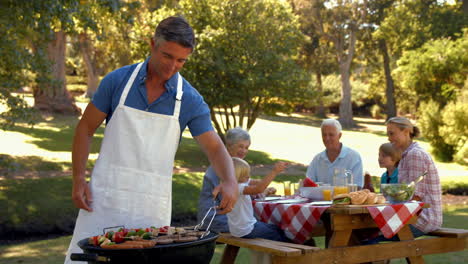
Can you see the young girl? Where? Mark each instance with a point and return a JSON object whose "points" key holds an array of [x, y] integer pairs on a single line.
{"points": [[389, 157], [241, 220]]}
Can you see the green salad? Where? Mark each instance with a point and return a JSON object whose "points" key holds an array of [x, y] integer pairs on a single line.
{"points": [[397, 193]]}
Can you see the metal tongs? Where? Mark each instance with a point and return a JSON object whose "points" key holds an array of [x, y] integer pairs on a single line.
{"points": [[413, 183], [202, 222]]}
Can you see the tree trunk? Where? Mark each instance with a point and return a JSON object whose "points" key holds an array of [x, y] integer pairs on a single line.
{"points": [[389, 88], [321, 109], [53, 96], [346, 109], [344, 60], [87, 50]]}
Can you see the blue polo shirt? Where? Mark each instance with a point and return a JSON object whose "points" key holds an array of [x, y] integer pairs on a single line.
{"points": [[194, 112], [321, 169], [390, 179]]}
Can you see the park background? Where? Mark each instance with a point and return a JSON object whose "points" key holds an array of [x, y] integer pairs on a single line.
{"points": [[276, 68]]}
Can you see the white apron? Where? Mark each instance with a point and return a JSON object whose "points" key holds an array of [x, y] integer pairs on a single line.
{"points": [[131, 181]]}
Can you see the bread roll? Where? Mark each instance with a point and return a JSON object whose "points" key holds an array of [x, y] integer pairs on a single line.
{"points": [[358, 197], [381, 199], [371, 198]]}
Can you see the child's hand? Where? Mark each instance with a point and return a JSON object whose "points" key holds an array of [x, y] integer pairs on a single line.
{"points": [[280, 166], [269, 191]]}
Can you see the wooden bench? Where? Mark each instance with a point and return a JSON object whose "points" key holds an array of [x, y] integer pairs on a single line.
{"points": [[444, 240], [450, 232], [274, 248]]}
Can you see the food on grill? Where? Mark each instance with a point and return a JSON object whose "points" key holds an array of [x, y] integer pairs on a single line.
{"points": [[144, 237], [124, 245], [185, 239]]}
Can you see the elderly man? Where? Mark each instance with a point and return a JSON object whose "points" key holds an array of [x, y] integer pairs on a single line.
{"points": [[335, 156]]}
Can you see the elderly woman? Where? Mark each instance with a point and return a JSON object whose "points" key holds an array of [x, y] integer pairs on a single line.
{"points": [[414, 162], [237, 144]]}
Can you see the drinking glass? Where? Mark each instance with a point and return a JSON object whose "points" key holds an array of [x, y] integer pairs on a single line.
{"points": [[327, 194], [287, 188]]}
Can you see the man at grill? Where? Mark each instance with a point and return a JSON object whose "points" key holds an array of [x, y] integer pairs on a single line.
{"points": [[146, 107]]}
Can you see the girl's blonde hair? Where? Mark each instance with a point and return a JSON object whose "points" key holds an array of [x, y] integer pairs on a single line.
{"points": [[389, 150], [241, 167]]}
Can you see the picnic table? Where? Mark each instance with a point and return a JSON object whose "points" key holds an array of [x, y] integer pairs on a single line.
{"points": [[300, 221]]}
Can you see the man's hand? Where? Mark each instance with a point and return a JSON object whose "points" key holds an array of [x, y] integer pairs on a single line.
{"points": [[230, 193], [81, 195]]}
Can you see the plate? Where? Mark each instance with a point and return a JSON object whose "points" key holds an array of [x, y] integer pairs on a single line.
{"points": [[267, 199], [291, 201], [321, 203]]}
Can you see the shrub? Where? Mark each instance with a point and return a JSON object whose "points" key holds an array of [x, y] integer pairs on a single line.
{"points": [[430, 120], [454, 129]]}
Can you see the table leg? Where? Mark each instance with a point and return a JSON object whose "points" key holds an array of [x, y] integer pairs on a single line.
{"points": [[229, 254], [340, 238], [406, 234]]}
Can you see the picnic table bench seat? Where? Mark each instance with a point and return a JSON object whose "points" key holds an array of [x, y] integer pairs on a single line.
{"points": [[274, 248], [443, 240], [450, 232]]}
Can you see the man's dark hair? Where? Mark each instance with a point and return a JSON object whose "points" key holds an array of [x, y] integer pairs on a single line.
{"points": [[175, 29]]}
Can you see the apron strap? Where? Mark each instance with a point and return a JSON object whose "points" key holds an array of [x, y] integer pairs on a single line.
{"points": [[129, 84], [178, 97]]}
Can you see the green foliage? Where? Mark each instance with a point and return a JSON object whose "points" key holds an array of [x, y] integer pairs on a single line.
{"points": [[447, 128], [245, 58], [454, 131], [436, 71], [454, 188], [430, 120]]}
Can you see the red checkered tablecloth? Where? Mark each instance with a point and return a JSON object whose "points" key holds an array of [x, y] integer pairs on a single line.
{"points": [[297, 220], [391, 218]]}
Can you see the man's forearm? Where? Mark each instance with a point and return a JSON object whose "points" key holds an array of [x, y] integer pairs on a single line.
{"points": [[80, 152], [222, 164]]}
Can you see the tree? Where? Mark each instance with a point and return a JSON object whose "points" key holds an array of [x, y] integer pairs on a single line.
{"points": [[102, 32], [409, 24], [437, 71], [245, 63], [317, 53], [378, 64], [339, 22]]}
